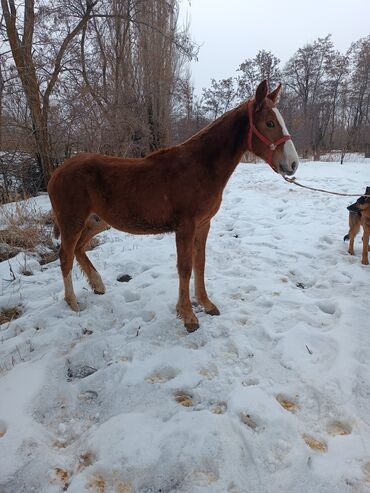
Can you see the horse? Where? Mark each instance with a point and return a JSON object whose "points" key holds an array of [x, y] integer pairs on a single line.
{"points": [[173, 190]]}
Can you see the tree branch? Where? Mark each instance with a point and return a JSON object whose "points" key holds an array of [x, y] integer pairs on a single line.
{"points": [[58, 61]]}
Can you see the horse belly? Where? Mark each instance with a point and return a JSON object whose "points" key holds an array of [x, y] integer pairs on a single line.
{"points": [[142, 226]]}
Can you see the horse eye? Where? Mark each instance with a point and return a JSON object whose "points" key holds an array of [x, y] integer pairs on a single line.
{"points": [[270, 124]]}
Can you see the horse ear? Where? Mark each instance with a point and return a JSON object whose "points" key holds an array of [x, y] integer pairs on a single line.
{"points": [[261, 93], [275, 95]]}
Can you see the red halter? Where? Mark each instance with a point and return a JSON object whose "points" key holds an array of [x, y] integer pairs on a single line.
{"points": [[271, 144]]}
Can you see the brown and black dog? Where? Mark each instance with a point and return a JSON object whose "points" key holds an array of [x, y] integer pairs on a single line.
{"points": [[359, 215]]}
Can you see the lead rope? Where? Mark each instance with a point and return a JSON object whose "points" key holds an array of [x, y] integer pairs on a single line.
{"points": [[295, 182]]}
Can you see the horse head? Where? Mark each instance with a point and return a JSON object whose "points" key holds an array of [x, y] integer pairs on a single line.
{"points": [[268, 136]]}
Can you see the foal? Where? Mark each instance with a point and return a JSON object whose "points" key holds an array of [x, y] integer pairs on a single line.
{"points": [[178, 190]]}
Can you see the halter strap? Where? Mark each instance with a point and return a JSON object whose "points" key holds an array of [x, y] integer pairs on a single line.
{"points": [[272, 145]]}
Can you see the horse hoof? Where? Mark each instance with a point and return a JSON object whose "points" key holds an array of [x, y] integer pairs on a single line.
{"points": [[213, 311], [99, 291], [74, 306], [191, 326]]}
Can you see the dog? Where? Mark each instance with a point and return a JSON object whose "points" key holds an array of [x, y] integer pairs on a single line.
{"points": [[359, 215]]}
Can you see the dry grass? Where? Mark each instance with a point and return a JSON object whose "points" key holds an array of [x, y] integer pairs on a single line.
{"points": [[9, 314], [25, 226]]}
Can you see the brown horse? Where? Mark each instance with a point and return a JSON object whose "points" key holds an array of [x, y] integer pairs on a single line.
{"points": [[178, 189]]}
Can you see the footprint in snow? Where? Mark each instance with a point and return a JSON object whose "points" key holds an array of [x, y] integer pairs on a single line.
{"points": [[219, 408], [250, 382], [315, 444], [124, 278], [326, 239], [61, 477], [148, 316], [210, 373], [79, 371], [184, 398], [131, 296], [362, 356], [100, 484], [250, 421], [162, 375], [327, 307], [337, 427], [287, 403], [85, 459], [187, 400]]}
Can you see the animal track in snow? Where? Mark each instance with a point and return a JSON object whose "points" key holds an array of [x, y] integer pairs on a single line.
{"points": [[85, 459], [184, 399], [219, 408], [62, 477], [101, 484], [209, 373], [314, 444], [163, 375], [336, 427], [148, 316], [250, 382], [250, 421], [131, 296], [326, 239], [327, 307], [287, 403]]}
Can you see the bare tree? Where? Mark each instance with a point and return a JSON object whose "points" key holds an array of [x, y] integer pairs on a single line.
{"points": [[38, 84], [263, 66], [219, 97], [132, 61]]}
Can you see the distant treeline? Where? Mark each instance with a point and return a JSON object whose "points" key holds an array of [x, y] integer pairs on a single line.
{"points": [[326, 98], [112, 76]]}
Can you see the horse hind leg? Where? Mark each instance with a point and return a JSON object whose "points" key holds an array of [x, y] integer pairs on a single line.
{"points": [[93, 226], [66, 255]]}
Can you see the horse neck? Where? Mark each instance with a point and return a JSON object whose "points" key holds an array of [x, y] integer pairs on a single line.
{"points": [[221, 145]]}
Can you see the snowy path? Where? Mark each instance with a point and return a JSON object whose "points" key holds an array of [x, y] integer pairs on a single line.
{"points": [[272, 396]]}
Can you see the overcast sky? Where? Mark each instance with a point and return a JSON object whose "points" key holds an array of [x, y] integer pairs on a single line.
{"points": [[229, 31]]}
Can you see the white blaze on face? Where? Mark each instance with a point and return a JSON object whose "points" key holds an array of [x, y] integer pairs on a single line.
{"points": [[290, 153]]}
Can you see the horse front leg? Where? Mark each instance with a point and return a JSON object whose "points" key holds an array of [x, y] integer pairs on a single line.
{"points": [[184, 245], [199, 260]]}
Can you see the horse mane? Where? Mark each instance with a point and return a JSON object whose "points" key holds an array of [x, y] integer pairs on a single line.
{"points": [[216, 123], [205, 131]]}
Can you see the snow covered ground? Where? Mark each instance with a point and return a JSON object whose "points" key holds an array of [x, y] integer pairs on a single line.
{"points": [[272, 396]]}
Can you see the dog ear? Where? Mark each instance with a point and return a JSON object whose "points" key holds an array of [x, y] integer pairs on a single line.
{"points": [[367, 191]]}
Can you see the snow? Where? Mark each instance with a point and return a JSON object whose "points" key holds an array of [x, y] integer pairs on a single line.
{"points": [[120, 399]]}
